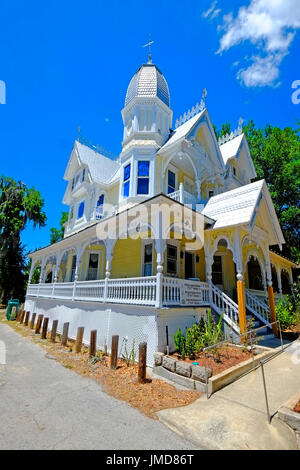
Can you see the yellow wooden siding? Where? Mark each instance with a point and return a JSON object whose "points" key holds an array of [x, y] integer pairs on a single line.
{"points": [[126, 260]]}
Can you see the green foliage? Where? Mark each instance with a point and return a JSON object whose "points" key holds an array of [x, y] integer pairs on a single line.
{"points": [[276, 157], [18, 206], [285, 313], [200, 335], [58, 234]]}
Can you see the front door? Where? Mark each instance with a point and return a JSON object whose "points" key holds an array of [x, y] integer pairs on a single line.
{"points": [[189, 266]]}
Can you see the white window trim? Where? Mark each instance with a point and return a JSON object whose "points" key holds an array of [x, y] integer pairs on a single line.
{"points": [[100, 263], [144, 243]]}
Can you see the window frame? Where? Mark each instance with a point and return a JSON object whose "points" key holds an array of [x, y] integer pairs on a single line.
{"points": [[176, 246], [126, 181], [143, 264], [78, 207], [143, 177]]}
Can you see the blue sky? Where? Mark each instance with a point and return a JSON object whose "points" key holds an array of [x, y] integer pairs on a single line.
{"points": [[67, 64]]}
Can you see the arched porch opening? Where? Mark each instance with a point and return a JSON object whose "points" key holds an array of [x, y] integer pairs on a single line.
{"points": [[36, 272], [255, 274], [224, 269], [275, 279], [285, 282], [92, 261], [178, 170]]}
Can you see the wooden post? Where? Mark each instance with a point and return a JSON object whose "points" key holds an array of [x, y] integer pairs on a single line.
{"points": [[114, 352], [19, 314], [79, 338], [32, 321], [272, 310], [39, 324], [53, 331], [27, 318], [93, 341], [45, 328], [242, 306], [64, 338], [22, 317], [142, 363]]}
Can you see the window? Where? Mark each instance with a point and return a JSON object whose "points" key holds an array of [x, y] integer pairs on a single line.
{"points": [[126, 184], [210, 194], [171, 182], [143, 178], [92, 273], [80, 210], [234, 171], [83, 175], [73, 183], [99, 208], [172, 260], [217, 272], [148, 258], [73, 269]]}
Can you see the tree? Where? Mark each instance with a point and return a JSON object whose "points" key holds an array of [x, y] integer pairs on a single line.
{"points": [[276, 156], [58, 234], [18, 206]]}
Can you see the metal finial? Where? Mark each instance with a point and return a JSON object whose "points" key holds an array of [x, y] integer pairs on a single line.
{"points": [[149, 45], [204, 94]]}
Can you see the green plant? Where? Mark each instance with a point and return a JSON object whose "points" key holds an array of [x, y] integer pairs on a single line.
{"points": [[285, 312], [129, 356], [180, 343]]}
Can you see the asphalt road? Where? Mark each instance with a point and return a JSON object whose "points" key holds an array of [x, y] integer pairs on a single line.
{"points": [[46, 406]]}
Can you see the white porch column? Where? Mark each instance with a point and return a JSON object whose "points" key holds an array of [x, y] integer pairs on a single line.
{"points": [[181, 193], [198, 183], [109, 255], [31, 271], [56, 271], [78, 261], [160, 248]]}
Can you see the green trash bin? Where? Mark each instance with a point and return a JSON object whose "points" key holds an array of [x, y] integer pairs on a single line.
{"points": [[10, 304]]}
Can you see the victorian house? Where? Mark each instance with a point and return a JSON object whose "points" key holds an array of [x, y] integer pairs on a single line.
{"points": [[122, 272]]}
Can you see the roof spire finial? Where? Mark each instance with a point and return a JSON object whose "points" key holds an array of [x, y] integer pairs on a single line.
{"points": [[149, 45]]}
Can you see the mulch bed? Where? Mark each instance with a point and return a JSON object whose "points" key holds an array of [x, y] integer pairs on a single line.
{"points": [[122, 383], [227, 357], [297, 407]]}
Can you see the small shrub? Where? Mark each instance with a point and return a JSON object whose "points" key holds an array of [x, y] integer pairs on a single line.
{"points": [[180, 343], [285, 312]]}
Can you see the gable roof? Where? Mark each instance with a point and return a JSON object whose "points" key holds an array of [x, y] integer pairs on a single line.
{"points": [[231, 148], [240, 206], [101, 168], [182, 131]]}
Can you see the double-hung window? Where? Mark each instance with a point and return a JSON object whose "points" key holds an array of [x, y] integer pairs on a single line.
{"points": [[171, 182], [143, 177], [172, 260], [99, 208], [126, 183]]}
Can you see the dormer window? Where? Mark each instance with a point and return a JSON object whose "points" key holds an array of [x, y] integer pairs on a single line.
{"points": [[126, 183], [171, 182], [143, 177]]}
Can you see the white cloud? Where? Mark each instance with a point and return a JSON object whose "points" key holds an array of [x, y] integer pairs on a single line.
{"points": [[212, 12], [269, 25]]}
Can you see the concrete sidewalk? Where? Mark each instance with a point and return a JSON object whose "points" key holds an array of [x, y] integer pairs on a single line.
{"points": [[46, 406], [235, 417]]}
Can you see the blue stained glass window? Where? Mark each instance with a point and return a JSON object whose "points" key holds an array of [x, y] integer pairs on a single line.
{"points": [[126, 189], [143, 168], [126, 172], [100, 200], [80, 210], [143, 186]]}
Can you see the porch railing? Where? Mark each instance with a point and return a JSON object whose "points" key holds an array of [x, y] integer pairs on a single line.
{"points": [[258, 307], [135, 291], [182, 196]]}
